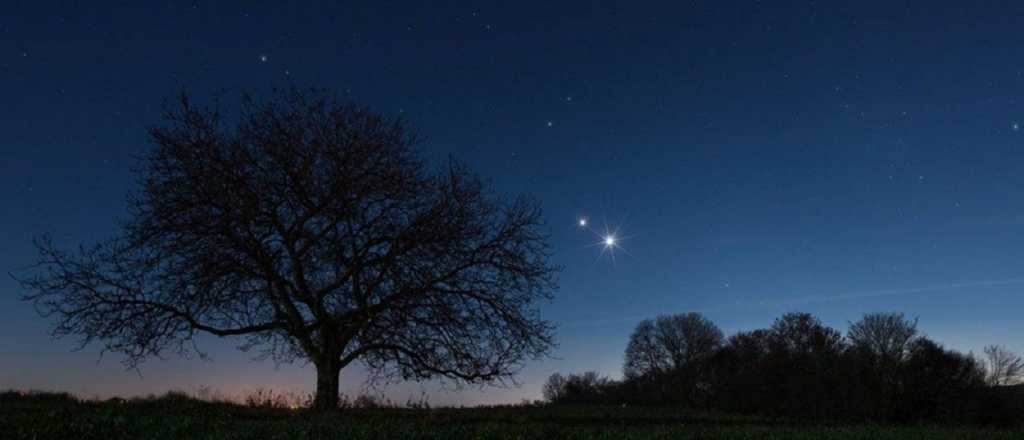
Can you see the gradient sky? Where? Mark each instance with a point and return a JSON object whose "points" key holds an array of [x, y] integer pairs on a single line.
{"points": [[762, 157]]}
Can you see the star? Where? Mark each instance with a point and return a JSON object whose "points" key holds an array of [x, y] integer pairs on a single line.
{"points": [[1015, 126], [609, 241], [264, 58], [551, 124]]}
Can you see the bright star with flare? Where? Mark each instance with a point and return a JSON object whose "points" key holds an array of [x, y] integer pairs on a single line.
{"points": [[609, 241]]}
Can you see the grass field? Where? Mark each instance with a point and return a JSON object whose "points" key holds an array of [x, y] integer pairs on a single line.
{"points": [[181, 418]]}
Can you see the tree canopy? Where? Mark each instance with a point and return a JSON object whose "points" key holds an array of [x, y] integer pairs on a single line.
{"points": [[312, 229]]}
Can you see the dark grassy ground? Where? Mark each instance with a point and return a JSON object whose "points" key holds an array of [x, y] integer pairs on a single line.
{"points": [[177, 417]]}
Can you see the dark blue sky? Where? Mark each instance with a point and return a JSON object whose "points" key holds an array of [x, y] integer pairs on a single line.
{"points": [[762, 157]]}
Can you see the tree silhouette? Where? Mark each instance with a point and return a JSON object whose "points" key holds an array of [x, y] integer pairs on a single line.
{"points": [[554, 388], [669, 343], [310, 228], [940, 384], [803, 356], [672, 351], [881, 344], [801, 368], [739, 369], [886, 336], [1003, 367], [588, 387]]}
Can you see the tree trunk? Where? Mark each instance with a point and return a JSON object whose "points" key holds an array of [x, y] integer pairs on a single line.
{"points": [[327, 371]]}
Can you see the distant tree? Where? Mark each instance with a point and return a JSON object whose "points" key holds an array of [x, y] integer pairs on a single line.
{"points": [[588, 387], [802, 365], [1003, 366], [670, 343], [312, 229], [940, 384], [886, 336], [738, 372], [881, 343], [554, 388], [803, 334], [672, 350], [645, 354]]}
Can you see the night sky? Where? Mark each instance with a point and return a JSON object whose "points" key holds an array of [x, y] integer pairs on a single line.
{"points": [[756, 158]]}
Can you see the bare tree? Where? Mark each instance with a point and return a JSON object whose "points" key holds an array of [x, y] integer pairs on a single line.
{"points": [[587, 387], [1003, 367], [882, 343], [801, 334], [644, 354], [311, 229], [676, 343], [554, 388], [887, 336]]}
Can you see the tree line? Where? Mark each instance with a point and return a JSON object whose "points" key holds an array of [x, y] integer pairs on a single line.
{"points": [[881, 370]]}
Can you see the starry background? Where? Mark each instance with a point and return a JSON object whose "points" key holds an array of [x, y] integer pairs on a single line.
{"points": [[830, 157]]}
